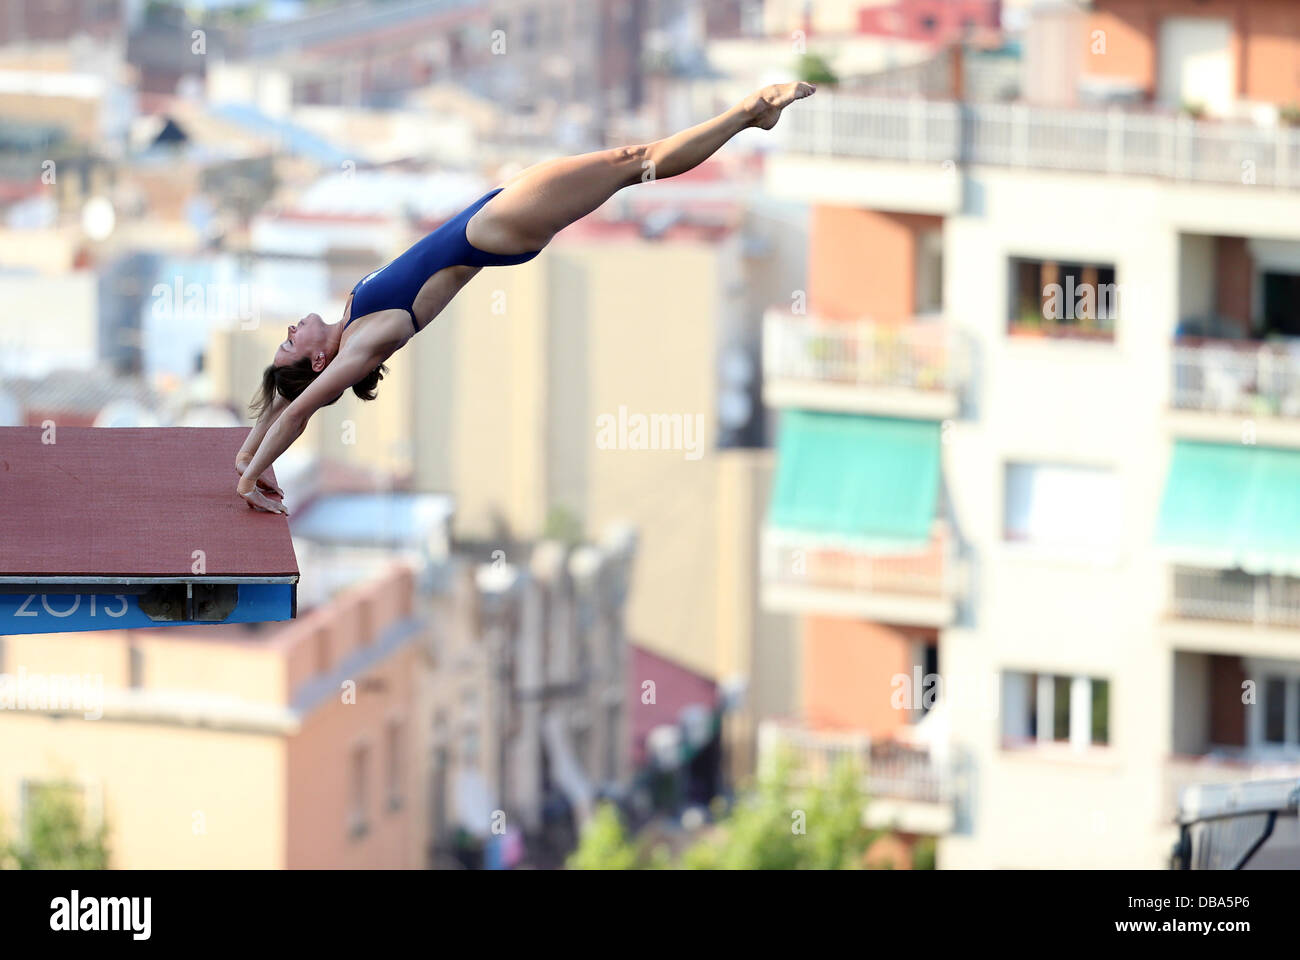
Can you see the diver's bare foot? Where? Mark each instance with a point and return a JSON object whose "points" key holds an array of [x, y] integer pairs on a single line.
{"points": [[764, 107]]}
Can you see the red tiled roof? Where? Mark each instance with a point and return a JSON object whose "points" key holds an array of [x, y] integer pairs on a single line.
{"points": [[132, 502]]}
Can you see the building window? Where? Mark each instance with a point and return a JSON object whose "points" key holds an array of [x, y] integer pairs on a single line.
{"points": [[1051, 298], [1281, 296], [1101, 712], [1061, 505], [393, 746], [358, 819], [929, 272], [1280, 706], [1047, 708]]}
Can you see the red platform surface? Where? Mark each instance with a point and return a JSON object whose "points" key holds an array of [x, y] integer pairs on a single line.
{"points": [[132, 502]]}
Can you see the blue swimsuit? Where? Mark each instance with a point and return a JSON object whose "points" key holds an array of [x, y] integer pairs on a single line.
{"points": [[395, 285]]}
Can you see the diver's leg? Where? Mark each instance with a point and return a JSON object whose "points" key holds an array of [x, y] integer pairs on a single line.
{"points": [[544, 199]]}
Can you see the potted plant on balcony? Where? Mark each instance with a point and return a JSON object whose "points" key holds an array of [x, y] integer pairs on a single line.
{"points": [[1029, 323]]}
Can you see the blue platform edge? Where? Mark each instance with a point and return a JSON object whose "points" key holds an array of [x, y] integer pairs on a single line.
{"points": [[53, 612]]}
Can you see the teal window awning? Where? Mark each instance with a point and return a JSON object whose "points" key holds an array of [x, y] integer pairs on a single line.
{"points": [[1231, 505], [872, 482]]}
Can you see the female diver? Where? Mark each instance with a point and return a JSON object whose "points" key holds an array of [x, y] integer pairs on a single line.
{"points": [[318, 361]]}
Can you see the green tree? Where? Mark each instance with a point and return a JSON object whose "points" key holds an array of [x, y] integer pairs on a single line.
{"points": [[776, 825], [604, 844], [56, 835], [814, 68]]}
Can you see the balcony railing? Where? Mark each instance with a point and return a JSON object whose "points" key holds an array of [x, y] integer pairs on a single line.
{"points": [[1182, 772], [795, 559], [916, 356], [1256, 379], [1236, 597], [890, 769], [1114, 141]]}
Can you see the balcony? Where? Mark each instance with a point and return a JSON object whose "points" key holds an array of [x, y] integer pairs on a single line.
{"points": [[1183, 772], [1233, 596], [912, 370], [1231, 380], [908, 787], [802, 574], [1099, 141]]}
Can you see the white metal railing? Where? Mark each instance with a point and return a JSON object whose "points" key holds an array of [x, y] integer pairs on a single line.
{"points": [[919, 356], [1260, 379], [1115, 140], [889, 768], [1236, 596], [796, 559], [1182, 772]]}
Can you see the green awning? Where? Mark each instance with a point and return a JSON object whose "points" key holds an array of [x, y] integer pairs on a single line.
{"points": [[1231, 505], [868, 481]]}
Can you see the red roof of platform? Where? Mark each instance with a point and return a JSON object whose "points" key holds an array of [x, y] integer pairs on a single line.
{"points": [[132, 502]]}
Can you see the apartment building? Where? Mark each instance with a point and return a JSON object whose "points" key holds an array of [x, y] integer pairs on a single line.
{"points": [[577, 60], [1036, 408], [356, 54]]}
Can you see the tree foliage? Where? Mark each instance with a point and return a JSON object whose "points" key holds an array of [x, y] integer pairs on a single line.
{"points": [[814, 68], [775, 825], [56, 834]]}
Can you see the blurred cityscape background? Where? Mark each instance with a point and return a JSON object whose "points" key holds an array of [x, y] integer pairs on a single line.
{"points": [[947, 435]]}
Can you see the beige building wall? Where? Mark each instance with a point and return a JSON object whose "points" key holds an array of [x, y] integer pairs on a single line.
{"points": [[761, 649], [173, 795]]}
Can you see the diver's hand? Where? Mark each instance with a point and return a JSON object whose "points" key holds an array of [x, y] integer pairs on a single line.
{"points": [[258, 500], [263, 484]]}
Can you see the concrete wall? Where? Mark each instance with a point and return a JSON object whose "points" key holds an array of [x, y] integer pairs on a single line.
{"points": [[848, 666], [863, 263]]}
